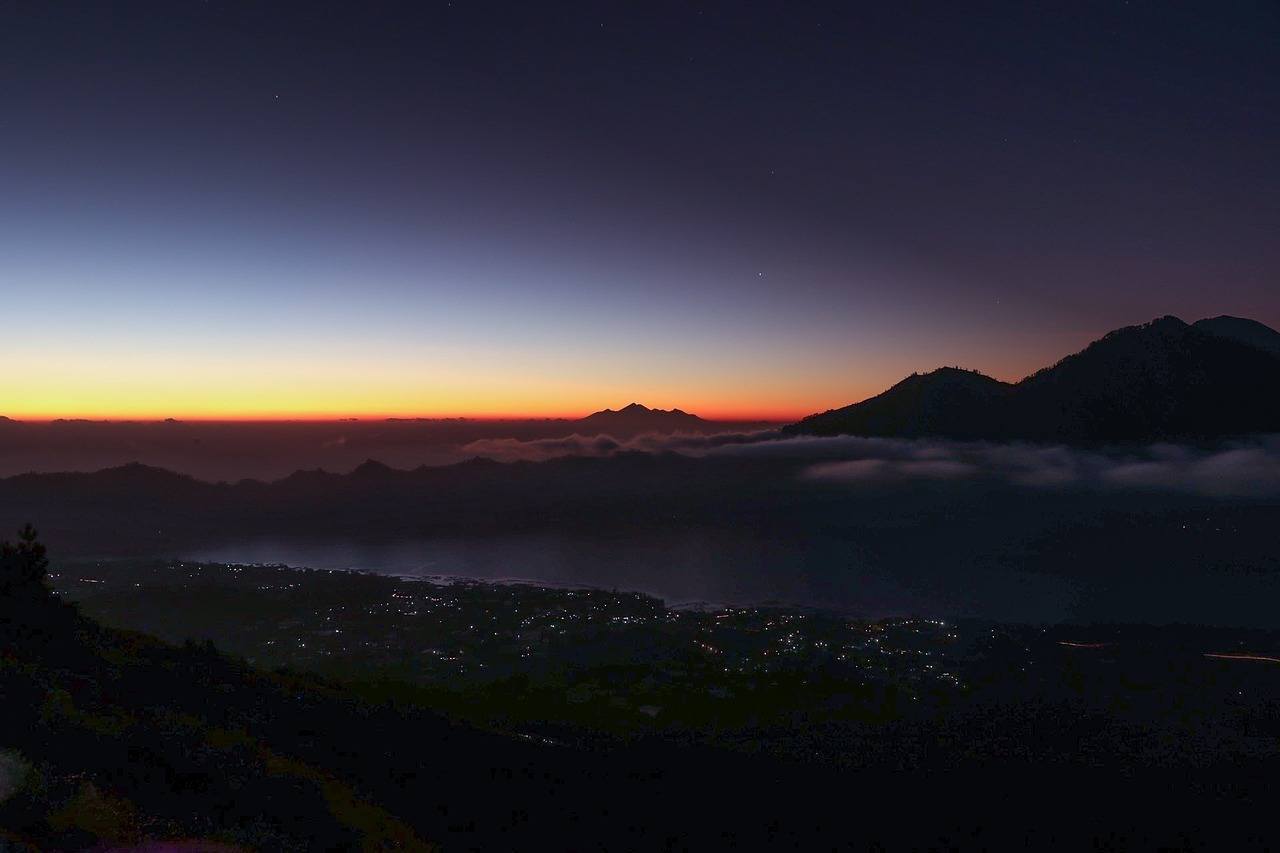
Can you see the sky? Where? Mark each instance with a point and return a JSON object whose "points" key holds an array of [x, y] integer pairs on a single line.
{"points": [[244, 210]]}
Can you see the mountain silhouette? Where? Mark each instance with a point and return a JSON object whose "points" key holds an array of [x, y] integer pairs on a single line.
{"points": [[635, 419], [1243, 331], [921, 404], [1161, 380]]}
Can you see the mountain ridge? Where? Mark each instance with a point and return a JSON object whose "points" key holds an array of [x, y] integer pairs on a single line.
{"points": [[1241, 330], [635, 418], [1165, 379]]}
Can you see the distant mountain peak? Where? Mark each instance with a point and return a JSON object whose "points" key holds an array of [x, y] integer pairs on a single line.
{"points": [[1159, 327], [371, 467], [140, 468], [639, 410], [959, 375], [1241, 330], [1228, 318], [1164, 379], [922, 404], [636, 418]]}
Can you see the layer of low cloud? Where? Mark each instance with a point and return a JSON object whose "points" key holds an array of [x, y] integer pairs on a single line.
{"points": [[537, 450], [1236, 469]]}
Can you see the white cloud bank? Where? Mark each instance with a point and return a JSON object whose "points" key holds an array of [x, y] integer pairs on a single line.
{"points": [[1236, 469]]}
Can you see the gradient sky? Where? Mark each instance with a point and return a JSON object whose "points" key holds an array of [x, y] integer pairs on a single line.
{"points": [[216, 209]]}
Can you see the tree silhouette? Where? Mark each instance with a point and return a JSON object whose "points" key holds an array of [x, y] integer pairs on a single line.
{"points": [[24, 564]]}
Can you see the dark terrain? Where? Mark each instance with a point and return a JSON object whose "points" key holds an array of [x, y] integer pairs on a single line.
{"points": [[1165, 380], [341, 710], [1133, 732], [1128, 544]]}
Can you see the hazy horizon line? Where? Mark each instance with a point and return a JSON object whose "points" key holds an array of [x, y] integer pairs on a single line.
{"points": [[254, 418]]}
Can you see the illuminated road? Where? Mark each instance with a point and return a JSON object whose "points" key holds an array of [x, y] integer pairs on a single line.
{"points": [[1241, 656]]}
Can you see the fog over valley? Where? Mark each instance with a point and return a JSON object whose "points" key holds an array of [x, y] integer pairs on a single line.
{"points": [[1015, 531]]}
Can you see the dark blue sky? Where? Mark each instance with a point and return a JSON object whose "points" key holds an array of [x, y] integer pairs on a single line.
{"points": [[234, 209]]}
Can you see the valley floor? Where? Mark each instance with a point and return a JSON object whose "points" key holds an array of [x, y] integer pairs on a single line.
{"points": [[341, 710]]}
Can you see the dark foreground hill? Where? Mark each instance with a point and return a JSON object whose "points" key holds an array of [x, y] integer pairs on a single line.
{"points": [[113, 738], [1165, 380]]}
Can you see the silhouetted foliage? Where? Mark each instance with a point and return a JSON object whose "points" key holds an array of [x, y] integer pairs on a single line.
{"points": [[24, 564]]}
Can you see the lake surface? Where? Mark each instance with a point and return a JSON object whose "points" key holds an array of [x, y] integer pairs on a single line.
{"points": [[828, 573]]}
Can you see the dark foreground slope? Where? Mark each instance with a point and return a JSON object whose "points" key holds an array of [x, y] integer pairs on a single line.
{"points": [[127, 739], [1165, 380]]}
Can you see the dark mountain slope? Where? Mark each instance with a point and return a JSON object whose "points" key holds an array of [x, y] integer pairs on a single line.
{"points": [[118, 739], [948, 401], [1241, 330], [123, 742], [1162, 380]]}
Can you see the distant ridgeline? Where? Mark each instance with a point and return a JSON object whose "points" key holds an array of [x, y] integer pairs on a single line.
{"points": [[635, 419], [1162, 380]]}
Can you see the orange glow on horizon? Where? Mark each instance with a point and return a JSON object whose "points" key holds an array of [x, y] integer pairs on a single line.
{"points": [[156, 392], [261, 381], [143, 388], [733, 416]]}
